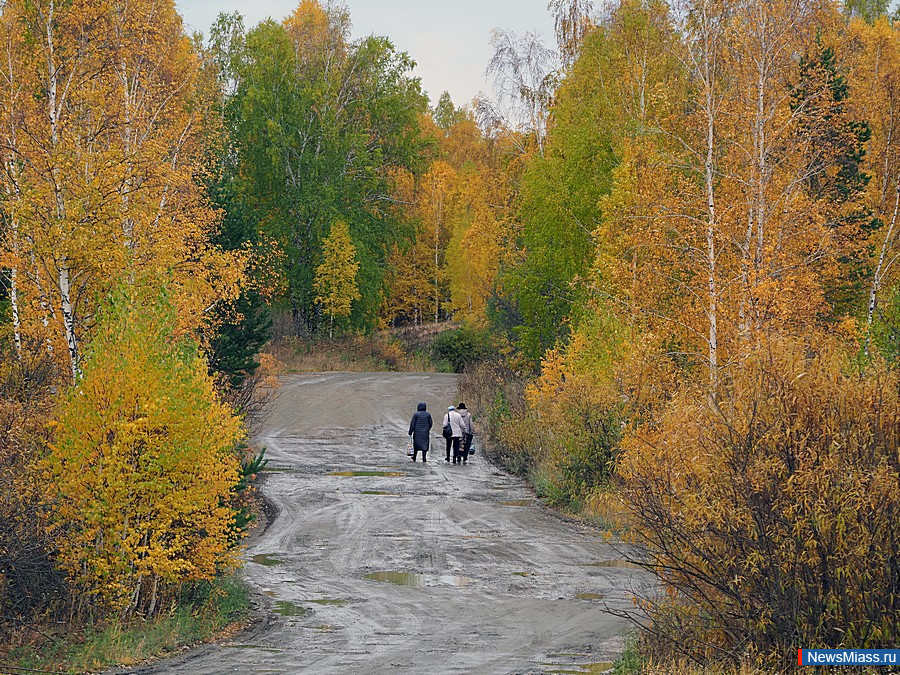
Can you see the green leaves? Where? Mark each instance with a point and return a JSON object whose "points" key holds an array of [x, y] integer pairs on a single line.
{"points": [[320, 124]]}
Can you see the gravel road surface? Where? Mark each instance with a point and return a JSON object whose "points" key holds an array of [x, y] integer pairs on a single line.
{"points": [[410, 568]]}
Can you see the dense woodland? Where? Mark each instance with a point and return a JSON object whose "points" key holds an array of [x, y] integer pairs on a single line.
{"points": [[668, 242]]}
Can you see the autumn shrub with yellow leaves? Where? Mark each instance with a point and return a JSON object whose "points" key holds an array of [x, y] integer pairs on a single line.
{"points": [[143, 463], [579, 414], [770, 511]]}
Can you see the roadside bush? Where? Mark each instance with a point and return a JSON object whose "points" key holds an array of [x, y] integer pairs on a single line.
{"points": [[143, 464], [770, 514], [30, 583], [463, 346]]}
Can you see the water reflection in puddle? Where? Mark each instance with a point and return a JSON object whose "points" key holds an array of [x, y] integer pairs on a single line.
{"points": [[378, 492], [285, 608], [518, 502], [588, 596], [265, 559], [611, 563], [412, 580], [578, 668], [383, 474], [522, 574]]}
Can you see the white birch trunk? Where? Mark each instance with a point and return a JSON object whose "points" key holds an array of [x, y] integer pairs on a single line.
{"points": [[13, 193], [68, 315], [14, 299], [710, 47], [63, 271], [711, 244], [879, 268]]}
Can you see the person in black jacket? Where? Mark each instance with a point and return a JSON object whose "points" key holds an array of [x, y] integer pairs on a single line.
{"points": [[419, 428]]}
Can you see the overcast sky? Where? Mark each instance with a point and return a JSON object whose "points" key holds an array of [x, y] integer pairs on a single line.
{"points": [[448, 39]]}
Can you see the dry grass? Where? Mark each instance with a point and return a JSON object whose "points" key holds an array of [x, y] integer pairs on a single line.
{"points": [[381, 352], [685, 668]]}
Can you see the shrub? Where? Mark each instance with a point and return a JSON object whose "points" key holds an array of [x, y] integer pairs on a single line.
{"points": [[463, 346], [770, 514], [30, 583], [143, 463]]}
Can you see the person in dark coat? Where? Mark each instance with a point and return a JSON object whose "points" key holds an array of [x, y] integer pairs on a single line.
{"points": [[419, 428]]}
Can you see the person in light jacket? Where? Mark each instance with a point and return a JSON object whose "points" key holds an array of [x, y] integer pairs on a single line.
{"points": [[419, 428], [468, 431], [457, 429]]}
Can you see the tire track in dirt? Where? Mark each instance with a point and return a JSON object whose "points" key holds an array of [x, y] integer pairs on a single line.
{"points": [[499, 581]]}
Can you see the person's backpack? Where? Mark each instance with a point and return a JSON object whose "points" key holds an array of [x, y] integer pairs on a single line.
{"points": [[448, 430]]}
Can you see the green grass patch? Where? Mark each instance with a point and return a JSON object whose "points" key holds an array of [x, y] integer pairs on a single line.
{"points": [[631, 662], [214, 607]]}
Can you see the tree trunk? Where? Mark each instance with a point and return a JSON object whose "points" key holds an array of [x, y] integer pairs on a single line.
{"points": [[63, 271], [65, 297], [876, 278], [709, 83], [14, 300]]}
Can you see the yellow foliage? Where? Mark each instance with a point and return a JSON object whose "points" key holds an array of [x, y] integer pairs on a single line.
{"points": [[142, 464], [769, 513], [335, 283], [103, 126]]}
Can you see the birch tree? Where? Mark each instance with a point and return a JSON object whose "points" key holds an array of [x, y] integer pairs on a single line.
{"points": [[335, 283], [102, 145]]}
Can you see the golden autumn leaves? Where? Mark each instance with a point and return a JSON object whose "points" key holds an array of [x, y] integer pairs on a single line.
{"points": [[105, 120], [103, 124], [335, 283], [142, 464]]}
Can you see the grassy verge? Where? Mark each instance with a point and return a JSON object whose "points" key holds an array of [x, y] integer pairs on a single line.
{"points": [[214, 610], [370, 354]]}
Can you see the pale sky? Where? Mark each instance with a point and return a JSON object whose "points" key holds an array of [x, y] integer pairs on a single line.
{"points": [[448, 39]]}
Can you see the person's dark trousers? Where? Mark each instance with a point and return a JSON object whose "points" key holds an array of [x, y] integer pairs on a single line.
{"points": [[457, 453], [450, 446]]}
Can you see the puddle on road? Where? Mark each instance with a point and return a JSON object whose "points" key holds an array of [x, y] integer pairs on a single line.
{"points": [[578, 668], [323, 627], [383, 474], [259, 647], [523, 574], [378, 492], [611, 563], [412, 580], [329, 601], [518, 502], [285, 608], [589, 596], [266, 559]]}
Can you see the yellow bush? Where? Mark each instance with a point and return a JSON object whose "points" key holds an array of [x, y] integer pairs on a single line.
{"points": [[142, 464], [771, 514]]}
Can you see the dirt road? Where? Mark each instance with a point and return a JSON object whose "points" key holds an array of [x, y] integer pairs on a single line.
{"points": [[428, 568]]}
